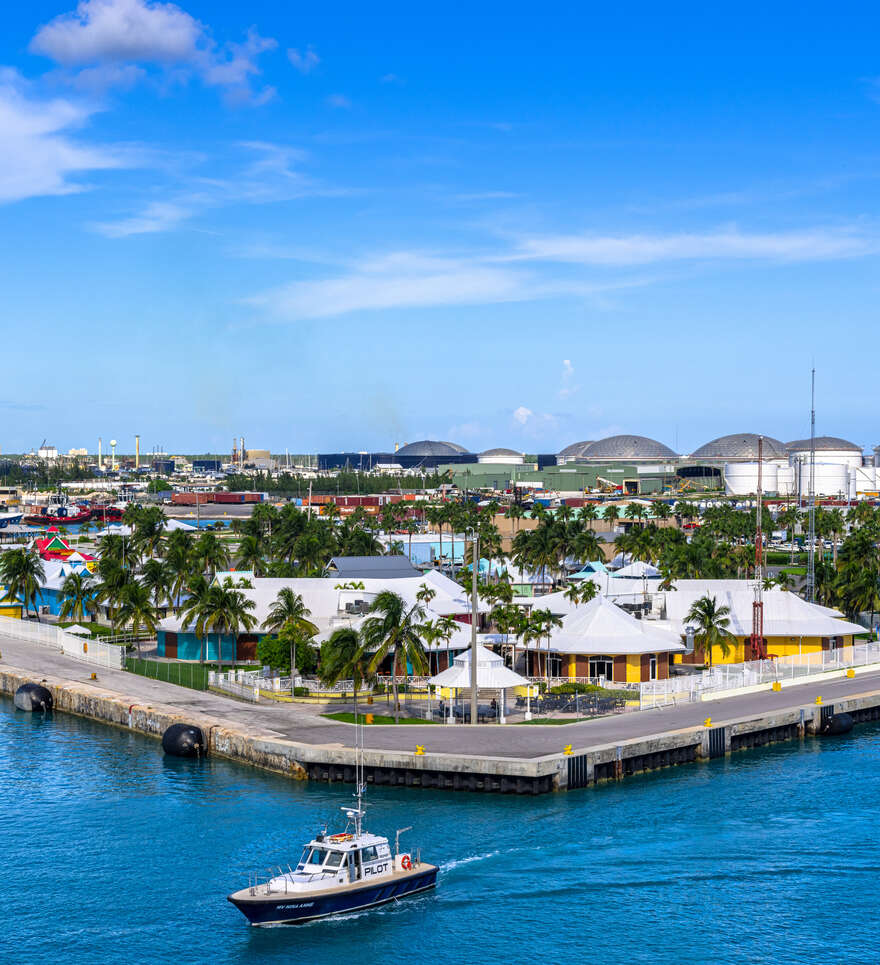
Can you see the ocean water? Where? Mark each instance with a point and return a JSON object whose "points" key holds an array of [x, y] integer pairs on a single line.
{"points": [[114, 853]]}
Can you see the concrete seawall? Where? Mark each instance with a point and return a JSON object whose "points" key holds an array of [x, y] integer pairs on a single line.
{"points": [[577, 767]]}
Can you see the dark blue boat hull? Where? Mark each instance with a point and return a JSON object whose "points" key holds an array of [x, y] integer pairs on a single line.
{"points": [[290, 910]]}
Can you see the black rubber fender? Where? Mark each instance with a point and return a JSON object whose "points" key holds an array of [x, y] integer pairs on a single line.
{"points": [[33, 697], [184, 740]]}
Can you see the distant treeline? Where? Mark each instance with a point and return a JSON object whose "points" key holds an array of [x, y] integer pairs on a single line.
{"points": [[344, 484]]}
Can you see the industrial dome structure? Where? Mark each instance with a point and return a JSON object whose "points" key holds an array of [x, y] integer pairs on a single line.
{"points": [[501, 456], [429, 447], [823, 444], [628, 449], [574, 452], [739, 447]]}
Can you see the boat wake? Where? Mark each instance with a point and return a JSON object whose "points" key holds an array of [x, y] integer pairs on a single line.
{"points": [[458, 862]]}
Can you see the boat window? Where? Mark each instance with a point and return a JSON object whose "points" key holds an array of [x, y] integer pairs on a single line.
{"points": [[334, 859], [368, 854], [304, 858], [317, 856]]}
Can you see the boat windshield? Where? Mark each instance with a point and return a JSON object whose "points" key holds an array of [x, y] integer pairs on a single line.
{"points": [[334, 859], [316, 857]]}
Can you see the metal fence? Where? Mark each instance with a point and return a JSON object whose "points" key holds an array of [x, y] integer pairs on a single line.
{"points": [[89, 650], [734, 676], [238, 683]]}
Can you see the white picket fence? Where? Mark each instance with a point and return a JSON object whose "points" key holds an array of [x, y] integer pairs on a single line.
{"points": [[725, 678], [238, 683], [88, 650]]}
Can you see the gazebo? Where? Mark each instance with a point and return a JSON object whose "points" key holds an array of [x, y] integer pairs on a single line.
{"points": [[492, 675]]}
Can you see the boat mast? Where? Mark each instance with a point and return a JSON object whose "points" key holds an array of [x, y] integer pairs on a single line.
{"points": [[758, 650], [810, 584]]}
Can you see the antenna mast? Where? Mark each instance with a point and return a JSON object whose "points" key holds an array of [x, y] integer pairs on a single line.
{"points": [[759, 651], [810, 584]]}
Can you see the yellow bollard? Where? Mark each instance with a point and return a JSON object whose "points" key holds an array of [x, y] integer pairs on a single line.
{"points": [[94, 676], [566, 749], [776, 685], [420, 750], [818, 700], [851, 672], [707, 722], [368, 719]]}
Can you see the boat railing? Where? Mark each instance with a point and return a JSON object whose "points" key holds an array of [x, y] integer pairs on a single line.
{"points": [[268, 882]]}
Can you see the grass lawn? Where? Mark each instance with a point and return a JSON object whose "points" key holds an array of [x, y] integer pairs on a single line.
{"points": [[348, 718], [795, 570], [97, 629], [549, 720]]}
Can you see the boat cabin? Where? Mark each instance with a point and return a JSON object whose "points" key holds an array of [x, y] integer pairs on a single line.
{"points": [[343, 858]]}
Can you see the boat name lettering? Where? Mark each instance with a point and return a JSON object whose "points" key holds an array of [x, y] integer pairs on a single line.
{"points": [[377, 870]]}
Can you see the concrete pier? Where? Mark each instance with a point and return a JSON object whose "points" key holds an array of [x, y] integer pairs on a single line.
{"points": [[296, 741]]}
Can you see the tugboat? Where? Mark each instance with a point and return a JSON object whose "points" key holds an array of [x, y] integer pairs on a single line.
{"points": [[337, 873]]}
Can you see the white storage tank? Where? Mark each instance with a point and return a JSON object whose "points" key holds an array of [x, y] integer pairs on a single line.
{"points": [[863, 479], [741, 478], [829, 449], [786, 481], [830, 479]]}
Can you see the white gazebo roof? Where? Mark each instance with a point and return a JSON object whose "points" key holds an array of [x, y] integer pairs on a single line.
{"points": [[79, 630], [492, 674], [637, 570], [602, 627]]}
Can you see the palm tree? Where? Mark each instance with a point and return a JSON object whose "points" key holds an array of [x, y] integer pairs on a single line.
{"points": [[229, 615], [611, 513], [343, 658], [136, 609], [250, 555], [149, 530], [197, 610], [290, 611], [179, 563], [211, 553], [23, 573], [435, 516], [77, 591], [544, 621], [397, 630], [712, 622], [836, 525], [157, 579], [589, 513]]}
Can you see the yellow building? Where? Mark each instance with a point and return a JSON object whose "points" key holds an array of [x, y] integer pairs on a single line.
{"points": [[8, 606], [792, 627]]}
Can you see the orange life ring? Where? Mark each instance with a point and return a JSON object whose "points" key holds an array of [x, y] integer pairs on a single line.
{"points": [[405, 863]]}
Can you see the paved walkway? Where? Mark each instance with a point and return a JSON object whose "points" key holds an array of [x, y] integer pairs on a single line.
{"points": [[303, 723]]}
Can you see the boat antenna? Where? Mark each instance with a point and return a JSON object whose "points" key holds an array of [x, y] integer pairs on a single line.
{"points": [[810, 584], [355, 815]]}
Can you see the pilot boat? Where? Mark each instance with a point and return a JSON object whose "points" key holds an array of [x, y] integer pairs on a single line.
{"points": [[337, 873]]}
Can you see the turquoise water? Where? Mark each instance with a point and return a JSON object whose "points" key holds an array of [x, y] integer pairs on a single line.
{"points": [[116, 854]]}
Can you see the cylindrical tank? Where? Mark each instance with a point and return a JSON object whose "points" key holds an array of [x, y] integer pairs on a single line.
{"points": [[741, 478], [839, 457], [184, 740], [32, 697], [829, 479], [786, 481]]}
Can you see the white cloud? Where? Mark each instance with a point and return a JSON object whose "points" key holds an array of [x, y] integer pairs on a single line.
{"points": [[40, 155], [105, 34], [629, 250], [522, 415], [304, 62], [339, 100], [399, 280], [158, 216], [567, 388]]}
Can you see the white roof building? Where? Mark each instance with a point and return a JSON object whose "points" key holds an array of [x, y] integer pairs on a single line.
{"points": [[601, 627]]}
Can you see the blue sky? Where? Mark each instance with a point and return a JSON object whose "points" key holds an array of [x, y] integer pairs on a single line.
{"points": [[339, 226]]}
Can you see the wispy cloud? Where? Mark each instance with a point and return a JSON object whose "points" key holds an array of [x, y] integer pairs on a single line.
{"points": [[41, 155], [270, 175], [568, 387], [731, 244], [156, 217], [102, 41], [339, 101], [399, 280], [304, 61]]}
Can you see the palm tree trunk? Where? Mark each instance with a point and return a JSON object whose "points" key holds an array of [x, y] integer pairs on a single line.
{"points": [[292, 668], [396, 695]]}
